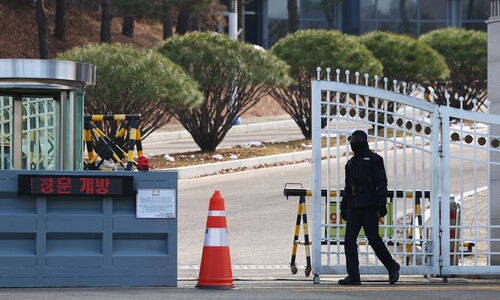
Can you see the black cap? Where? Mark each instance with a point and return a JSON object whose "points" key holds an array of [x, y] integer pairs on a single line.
{"points": [[358, 135]]}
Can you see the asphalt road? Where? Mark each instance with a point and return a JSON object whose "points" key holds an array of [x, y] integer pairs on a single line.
{"points": [[261, 226], [260, 219]]}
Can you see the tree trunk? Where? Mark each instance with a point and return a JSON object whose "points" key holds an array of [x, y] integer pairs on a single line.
{"points": [[182, 22], [328, 11], [405, 23], [60, 24], [241, 19], [293, 16], [42, 27], [168, 25], [106, 21], [470, 10], [128, 26]]}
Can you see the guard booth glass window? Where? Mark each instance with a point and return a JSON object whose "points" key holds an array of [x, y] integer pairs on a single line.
{"points": [[78, 128], [6, 108], [28, 132], [39, 133], [72, 133]]}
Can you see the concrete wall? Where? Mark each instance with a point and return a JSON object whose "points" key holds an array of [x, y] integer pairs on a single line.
{"points": [[61, 240]]}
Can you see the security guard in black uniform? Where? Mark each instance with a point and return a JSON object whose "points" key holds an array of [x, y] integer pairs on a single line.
{"points": [[364, 201]]}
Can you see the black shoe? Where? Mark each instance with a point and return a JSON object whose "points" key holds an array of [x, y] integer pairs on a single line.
{"points": [[394, 274], [350, 281]]}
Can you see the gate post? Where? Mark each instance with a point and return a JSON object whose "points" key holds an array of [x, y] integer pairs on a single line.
{"points": [[494, 97], [316, 177]]}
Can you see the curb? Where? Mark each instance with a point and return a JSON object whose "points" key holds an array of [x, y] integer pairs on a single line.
{"points": [[205, 169], [211, 168]]}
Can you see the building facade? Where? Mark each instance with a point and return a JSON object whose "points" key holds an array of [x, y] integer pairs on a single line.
{"points": [[266, 21]]}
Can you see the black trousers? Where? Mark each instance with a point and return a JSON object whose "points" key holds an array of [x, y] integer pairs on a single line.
{"points": [[367, 218]]}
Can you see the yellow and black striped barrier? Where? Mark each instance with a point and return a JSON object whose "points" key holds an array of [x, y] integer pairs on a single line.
{"points": [[101, 146], [302, 193], [301, 215]]}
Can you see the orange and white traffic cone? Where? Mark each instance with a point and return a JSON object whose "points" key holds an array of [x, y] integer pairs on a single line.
{"points": [[215, 269]]}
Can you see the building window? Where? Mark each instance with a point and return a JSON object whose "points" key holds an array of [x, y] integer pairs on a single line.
{"points": [[278, 20], [412, 17], [474, 13], [313, 14]]}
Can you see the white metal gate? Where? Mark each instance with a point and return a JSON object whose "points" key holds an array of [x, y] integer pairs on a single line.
{"points": [[433, 165]]}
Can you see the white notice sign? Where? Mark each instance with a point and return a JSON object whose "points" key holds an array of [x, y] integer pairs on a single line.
{"points": [[155, 203]]}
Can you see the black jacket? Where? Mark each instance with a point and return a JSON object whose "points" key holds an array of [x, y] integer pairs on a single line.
{"points": [[365, 181]]}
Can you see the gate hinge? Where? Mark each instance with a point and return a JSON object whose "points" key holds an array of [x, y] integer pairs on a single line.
{"points": [[440, 151], [440, 233]]}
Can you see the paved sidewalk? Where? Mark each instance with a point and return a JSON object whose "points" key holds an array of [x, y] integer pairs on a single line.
{"points": [[408, 288]]}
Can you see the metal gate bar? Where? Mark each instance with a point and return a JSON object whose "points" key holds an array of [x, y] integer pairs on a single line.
{"points": [[423, 150]]}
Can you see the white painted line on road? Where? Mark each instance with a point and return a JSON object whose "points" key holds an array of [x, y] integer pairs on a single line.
{"points": [[471, 192], [246, 267]]}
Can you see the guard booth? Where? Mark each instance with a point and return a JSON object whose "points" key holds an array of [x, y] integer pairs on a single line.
{"points": [[60, 225]]}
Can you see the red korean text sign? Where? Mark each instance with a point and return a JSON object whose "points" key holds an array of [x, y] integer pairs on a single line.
{"points": [[75, 185]]}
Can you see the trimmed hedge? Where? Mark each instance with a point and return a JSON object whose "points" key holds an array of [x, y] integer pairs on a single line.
{"points": [[133, 80], [465, 52], [304, 51], [405, 58], [233, 77]]}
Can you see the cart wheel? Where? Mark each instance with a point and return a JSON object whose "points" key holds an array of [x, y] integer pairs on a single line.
{"points": [[316, 279], [294, 269], [445, 279], [307, 272]]}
